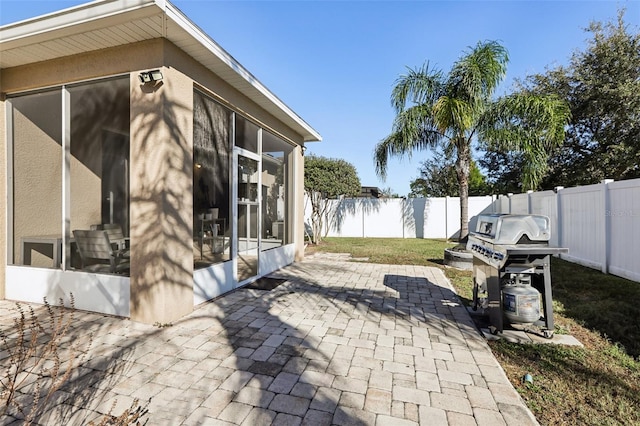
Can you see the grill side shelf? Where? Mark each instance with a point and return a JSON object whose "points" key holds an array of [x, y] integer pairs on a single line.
{"points": [[534, 249]]}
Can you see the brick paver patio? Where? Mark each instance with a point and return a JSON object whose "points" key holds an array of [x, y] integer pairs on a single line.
{"points": [[344, 343]]}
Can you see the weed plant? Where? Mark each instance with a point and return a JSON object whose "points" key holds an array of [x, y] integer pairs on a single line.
{"points": [[38, 360], [39, 356]]}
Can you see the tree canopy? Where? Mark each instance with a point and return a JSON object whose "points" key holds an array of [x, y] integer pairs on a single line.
{"points": [[601, 85], [326, 178], [330, 176]]}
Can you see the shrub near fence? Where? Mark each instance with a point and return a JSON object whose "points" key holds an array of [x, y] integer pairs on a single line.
{"points": [[599, 224]]}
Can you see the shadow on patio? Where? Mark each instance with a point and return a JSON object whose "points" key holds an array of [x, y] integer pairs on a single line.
{"points": [[305, 350]]}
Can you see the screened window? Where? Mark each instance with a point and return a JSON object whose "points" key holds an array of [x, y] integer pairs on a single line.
{"points": [[37, 179], [212, 136], [93, 163], [246, 134], [275, 160], [99, 169]]}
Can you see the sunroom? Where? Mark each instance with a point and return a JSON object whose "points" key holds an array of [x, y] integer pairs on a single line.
{"points": [[145, 170]]}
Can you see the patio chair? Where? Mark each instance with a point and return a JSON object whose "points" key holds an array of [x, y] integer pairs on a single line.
{"points": [[98, 254], [114, 231]]}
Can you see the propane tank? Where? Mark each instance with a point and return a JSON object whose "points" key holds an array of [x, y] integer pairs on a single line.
{"points": [[521, 303]]}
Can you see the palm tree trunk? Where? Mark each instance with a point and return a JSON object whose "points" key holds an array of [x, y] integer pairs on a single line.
{"points": [[463, 162]]}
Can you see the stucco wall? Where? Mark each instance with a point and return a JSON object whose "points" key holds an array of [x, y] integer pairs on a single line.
{"points": [[101, 63], [132, 58], [161, 198], [227, 95]]}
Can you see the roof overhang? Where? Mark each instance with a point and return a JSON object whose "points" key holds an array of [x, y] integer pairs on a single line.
{"points": [[110, 23]]}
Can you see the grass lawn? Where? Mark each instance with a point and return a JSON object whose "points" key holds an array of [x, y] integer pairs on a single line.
{"points": [[595, 385]]}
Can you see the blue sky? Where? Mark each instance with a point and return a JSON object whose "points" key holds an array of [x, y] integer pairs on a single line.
{"points": [[335, 62]]}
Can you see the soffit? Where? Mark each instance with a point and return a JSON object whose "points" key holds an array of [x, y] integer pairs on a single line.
{"points": [[110, 23]]}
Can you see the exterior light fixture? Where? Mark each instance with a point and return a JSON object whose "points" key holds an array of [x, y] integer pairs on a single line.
{"points": [[150, 76]]}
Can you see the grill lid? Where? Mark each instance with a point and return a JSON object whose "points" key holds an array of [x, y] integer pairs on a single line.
{"points": [[513, 228]]}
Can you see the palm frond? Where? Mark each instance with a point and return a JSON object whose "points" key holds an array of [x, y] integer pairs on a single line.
{"points": [[414, 130], [475, 76], [409, 122], [418, 86], [382, 151], [453, 114]]}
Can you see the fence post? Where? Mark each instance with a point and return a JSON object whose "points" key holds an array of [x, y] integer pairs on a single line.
{"points": [[606, 225], [446, 217], [363, 218], [509, 195], [557, 190], [501, 199], [408, 204], [529, 206]]}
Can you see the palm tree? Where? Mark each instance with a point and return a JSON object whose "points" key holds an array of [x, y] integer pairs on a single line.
{"points": [[456, 109]]}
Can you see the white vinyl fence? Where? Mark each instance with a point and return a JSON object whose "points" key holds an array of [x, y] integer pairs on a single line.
{"points": [[599, 224], [401, 218]]}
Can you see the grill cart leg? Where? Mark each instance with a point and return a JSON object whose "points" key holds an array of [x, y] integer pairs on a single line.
{"points": [[548, 300], [494, 295]]}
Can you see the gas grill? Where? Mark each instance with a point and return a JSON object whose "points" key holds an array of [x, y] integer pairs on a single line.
{"points": [[511, 271]]}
